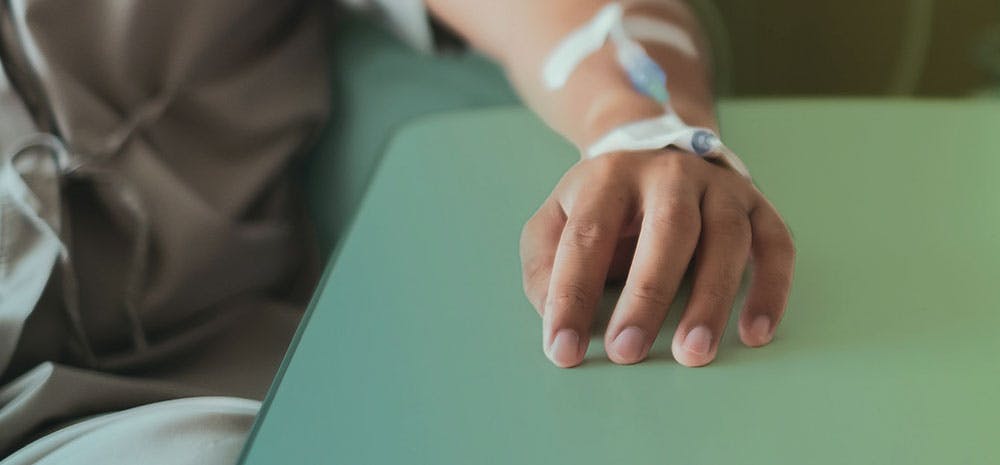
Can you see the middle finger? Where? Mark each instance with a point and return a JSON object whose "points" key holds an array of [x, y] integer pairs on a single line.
{"points": [[669, 234]]}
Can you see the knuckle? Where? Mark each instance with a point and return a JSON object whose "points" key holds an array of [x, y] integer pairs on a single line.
{"points": [[608, 166], [585, 234], [779, 240], [531, 235], [568, 297], [678, 215], [716, 298], [675, 160], [681, 166], [779, 278], [655, 295], [730, 223], [738, 196], [539, 221], [534, 273], [527, 231]]}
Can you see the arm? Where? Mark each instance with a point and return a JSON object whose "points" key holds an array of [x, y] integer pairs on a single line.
{"points": [[520, 34], [647, 213]]}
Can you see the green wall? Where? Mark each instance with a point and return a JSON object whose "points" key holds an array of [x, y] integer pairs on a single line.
{"points": [[853, 47]]}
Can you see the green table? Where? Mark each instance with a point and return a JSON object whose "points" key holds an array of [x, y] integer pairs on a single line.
{"points": [[420, 348]]}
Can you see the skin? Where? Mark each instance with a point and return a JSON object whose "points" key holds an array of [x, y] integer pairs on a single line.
{"points": [[647, 217]]}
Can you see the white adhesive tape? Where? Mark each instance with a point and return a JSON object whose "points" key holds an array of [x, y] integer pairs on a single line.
{"points": [[651, 134], [580, 44], [666, 131], [645, 29]]}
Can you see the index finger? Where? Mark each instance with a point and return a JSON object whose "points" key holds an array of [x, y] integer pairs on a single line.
{"points": [[586, 247]]}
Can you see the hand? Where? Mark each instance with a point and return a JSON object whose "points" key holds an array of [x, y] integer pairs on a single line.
{"points": [[670, 208]]}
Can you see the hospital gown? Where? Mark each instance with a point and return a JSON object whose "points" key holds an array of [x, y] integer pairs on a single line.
{"points": [[154, 254]]}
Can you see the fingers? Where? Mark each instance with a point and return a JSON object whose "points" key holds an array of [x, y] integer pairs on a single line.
{"points": [[568, 246], [772, 265], [720, 259], [539, 241], [579, 272], [670, 228]]}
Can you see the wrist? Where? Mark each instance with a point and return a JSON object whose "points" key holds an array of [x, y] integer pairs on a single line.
{"points": [[615, 109]]}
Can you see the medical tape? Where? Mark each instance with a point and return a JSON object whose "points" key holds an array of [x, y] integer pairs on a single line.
{"points": [[646, 76], [645, 29], [580, 44], [665, 131]]}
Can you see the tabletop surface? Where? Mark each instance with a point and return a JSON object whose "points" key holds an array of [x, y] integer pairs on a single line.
{"points": [[421, 349]]}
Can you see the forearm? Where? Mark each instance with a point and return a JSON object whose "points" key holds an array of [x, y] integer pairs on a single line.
{"points": [[521, 34]]}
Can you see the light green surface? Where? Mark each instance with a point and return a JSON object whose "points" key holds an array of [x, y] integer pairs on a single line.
{"points": [[421, 348]]}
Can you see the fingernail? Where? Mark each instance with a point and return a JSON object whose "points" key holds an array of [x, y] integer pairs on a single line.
{"points": [[698, 341], [565, 348], [760, 329], [630, 345]]}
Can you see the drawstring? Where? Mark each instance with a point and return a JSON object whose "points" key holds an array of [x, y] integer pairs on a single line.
{"points": [[125, 195], [18, 189], [130, 202], [20, 195], [127, 202]]}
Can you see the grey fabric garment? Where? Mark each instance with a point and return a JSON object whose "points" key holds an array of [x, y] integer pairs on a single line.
{"points": [[195, 431], [53, 398], [148, 244], [29, 216]]}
